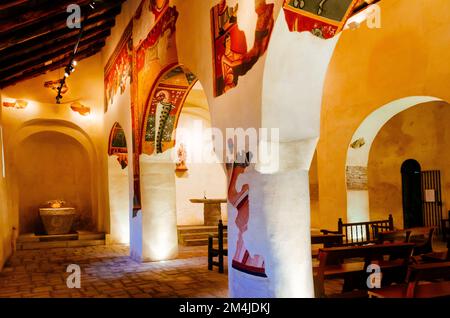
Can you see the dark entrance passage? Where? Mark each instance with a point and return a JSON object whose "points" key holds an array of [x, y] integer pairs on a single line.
{"points": [[412, 194]]}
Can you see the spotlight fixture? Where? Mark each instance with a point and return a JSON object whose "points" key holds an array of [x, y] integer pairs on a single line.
{"points": [[70, 68]]}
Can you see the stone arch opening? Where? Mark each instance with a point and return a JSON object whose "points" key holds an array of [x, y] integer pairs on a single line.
{"points": [[119, 186], [359, 149], [176, 133]]}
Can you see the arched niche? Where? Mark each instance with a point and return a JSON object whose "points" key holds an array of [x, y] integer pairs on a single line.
{"points": [[78, 139], [51, 165], [119, 186]]}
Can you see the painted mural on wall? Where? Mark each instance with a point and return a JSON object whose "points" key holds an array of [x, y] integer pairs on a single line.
{"points": [[231, 56], [242, 260], [158, 7], [164, 109], [119, 67], [118, 145], [323, 18], [151, 56]]}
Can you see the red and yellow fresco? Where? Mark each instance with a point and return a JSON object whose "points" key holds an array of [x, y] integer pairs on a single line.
{"points": [[323, 18], [117, 145], [163, 111], [151, 57], [232, 58], [119, 67]]}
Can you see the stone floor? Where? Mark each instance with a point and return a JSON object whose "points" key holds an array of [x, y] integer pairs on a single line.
{"points": [[107, 271]]}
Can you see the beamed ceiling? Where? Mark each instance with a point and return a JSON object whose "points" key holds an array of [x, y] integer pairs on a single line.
{"points": [[35, 38]]}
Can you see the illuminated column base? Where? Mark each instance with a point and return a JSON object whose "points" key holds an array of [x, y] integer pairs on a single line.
{"points": [[158, 219]]}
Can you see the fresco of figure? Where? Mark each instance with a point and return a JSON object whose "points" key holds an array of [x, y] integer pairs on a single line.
{"points": [[227, 16], [163, 109], [300, 4]]}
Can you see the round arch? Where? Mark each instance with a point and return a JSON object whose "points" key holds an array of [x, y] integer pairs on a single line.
{"points": [[358, 154], [120, 197], [163, 108]]}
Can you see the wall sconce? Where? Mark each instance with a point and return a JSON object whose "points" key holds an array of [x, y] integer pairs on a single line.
{"points": [[81, 109], [17, 104], [358, 143]]}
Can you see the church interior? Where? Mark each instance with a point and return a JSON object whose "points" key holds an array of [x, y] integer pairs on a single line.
{"points": [[224, 149]]}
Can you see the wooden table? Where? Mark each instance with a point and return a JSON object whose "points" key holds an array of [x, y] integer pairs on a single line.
{"points": [[211, 210]]}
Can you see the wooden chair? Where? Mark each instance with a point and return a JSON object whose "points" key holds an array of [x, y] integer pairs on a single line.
{"points": [[334, 263], [413, 287], [218, 252], [422, 237], [400, 236], [362, 232]]}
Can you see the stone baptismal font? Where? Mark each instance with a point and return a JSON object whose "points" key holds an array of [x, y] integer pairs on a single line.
{"points": [[57, 218]]}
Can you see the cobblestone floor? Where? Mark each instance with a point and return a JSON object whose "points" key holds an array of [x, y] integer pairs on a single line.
{"points": [[107, 271]]}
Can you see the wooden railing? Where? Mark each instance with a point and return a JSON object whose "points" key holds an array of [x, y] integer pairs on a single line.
{"points": [[361, 232]]}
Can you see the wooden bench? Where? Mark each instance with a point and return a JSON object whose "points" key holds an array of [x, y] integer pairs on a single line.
{"points": [[413, 287], [218, 252], [362, 232], [334, 263]]}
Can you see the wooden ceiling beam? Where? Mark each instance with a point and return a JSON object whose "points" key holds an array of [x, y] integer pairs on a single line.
{"points": [[34, 31], [49, 38], [42, 13], [51, 55], [42, 69], [23, 53]]}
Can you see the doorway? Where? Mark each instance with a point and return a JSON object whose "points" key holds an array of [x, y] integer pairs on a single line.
{"points": [[412, 194]]}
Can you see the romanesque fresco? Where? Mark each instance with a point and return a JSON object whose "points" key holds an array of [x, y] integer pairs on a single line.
{"points": [[119, 67], [323, 18], [164, 109], [232, 58], [158, 6], [242, 260], [118, 145], [151, 56]]}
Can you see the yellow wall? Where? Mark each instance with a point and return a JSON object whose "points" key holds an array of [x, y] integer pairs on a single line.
{"points": [[419, 133], [5, 228], [370, 68]]}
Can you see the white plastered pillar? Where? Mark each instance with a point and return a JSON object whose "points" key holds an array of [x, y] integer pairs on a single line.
{"points": [[279, 224], [155, 236]]}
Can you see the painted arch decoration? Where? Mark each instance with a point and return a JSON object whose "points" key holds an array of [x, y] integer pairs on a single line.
{"points": [[231, 57], [119, 67], [164, 107], [118, 145], [323, 18]]}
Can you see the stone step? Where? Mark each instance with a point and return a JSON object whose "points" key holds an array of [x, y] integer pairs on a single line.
{"points": [[199, 242], [80, 235], [196, 228], [197, 235], [58, 244]]}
